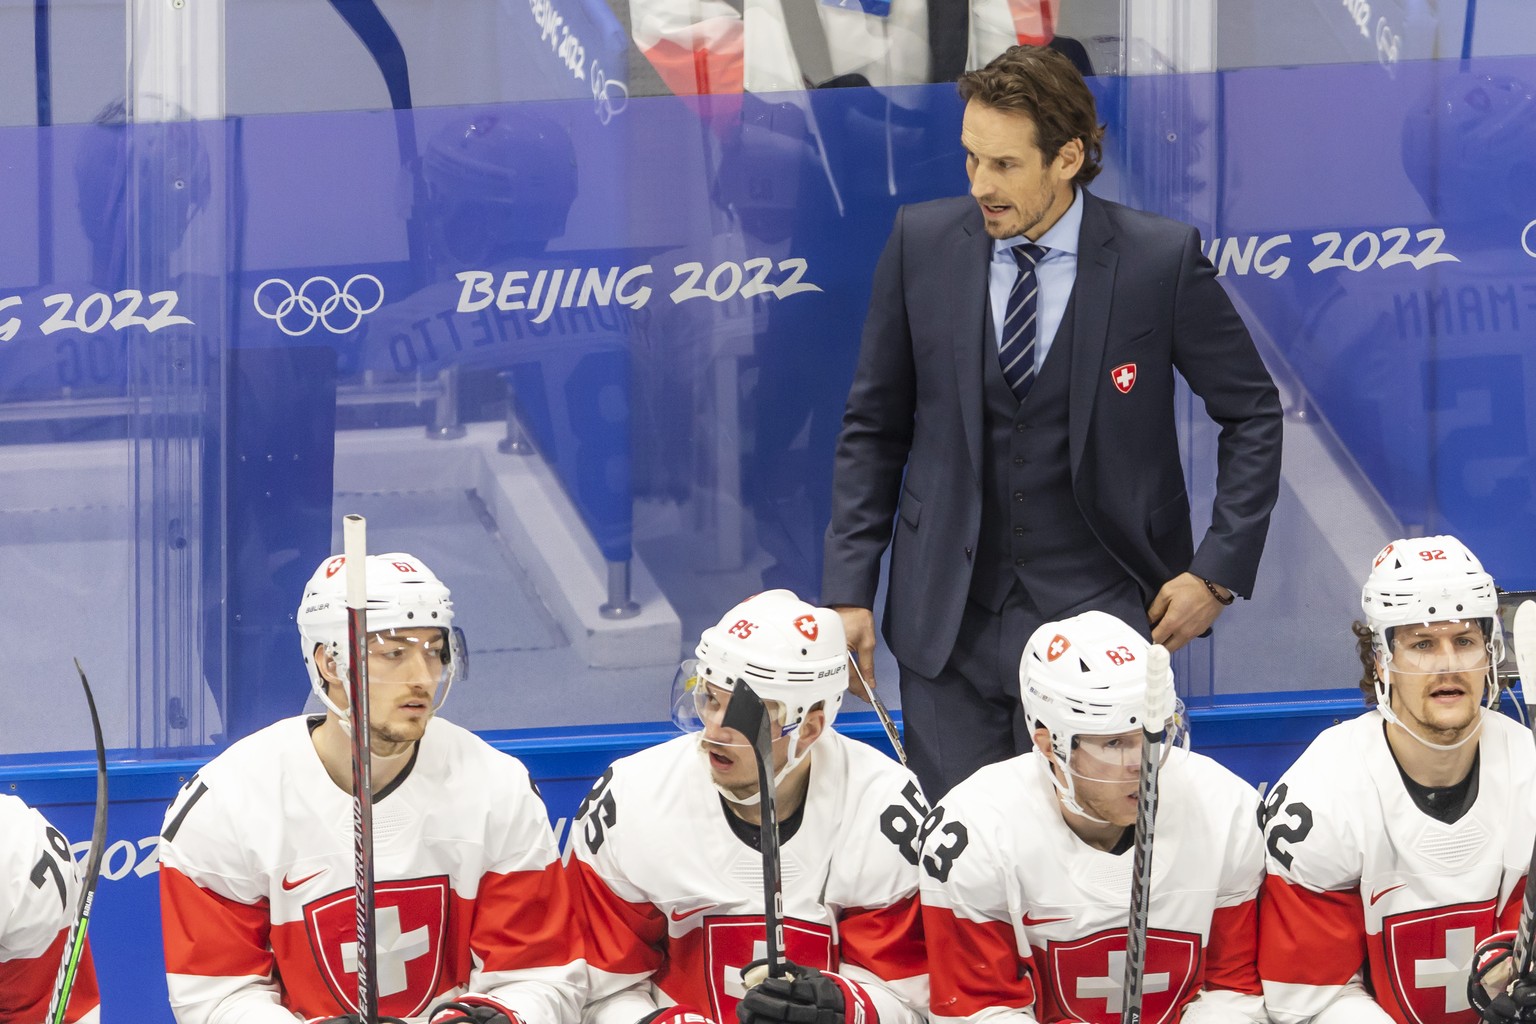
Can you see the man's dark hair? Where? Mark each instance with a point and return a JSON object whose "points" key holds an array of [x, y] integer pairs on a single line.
{"points": [[1045, 86]]}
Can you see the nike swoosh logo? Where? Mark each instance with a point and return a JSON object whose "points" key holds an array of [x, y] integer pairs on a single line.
{"points": [[685, 915], [291, 884], [1035, 922], [1383, 892]]}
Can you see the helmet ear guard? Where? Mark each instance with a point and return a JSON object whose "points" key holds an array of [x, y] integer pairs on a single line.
{"points": [[1086, 677], [792, 654], [1422, 581], [403, 593]]}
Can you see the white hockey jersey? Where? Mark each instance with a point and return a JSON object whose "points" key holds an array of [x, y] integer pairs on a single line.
{"points": [[39, 890], [257, 898], [1368, 895], [1025, 921], [673, 900]]}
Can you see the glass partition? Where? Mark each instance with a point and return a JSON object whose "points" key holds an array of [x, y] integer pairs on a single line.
{"points": [[579, 334]]}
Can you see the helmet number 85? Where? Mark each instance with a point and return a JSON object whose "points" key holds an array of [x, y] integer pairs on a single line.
{"points": [[742, 629]]}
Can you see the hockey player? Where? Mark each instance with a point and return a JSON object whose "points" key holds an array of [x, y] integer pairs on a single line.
{"points": [[667, 860], [1027, 863], [256, 876], [39, 887], [1399, 839]]}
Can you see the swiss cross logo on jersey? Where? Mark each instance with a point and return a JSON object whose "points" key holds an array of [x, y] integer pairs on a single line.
{"points": [[1088, 975], [334, 565], [410, 921], [1428, 954], [806, 624], [730, 943], [1057, 647], [1124, 377]]}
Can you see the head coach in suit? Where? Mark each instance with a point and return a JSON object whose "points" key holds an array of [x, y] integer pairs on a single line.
{"points": [[1010, 430]]}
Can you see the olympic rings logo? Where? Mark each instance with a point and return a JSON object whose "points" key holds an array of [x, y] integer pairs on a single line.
{"points": [[319, 298], [610, 98]]}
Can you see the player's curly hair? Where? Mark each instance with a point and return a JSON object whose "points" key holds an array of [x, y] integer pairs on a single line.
{"points": [[1365, 647], [1046, 87]]}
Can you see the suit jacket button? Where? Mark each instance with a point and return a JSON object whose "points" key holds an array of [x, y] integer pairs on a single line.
{"points": [[967, 552], [1018, 495]]}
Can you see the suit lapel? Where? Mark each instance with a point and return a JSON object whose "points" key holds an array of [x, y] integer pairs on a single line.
{"points": [[1096, 262], [970, 252]]}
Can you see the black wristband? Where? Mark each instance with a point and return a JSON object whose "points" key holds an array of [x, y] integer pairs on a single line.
{"points": [[1224, 601]]}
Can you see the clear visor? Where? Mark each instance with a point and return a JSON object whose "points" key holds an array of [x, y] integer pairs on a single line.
{"points": [[1118, 758], [699, 706], [431, 658], [1427, 658]]}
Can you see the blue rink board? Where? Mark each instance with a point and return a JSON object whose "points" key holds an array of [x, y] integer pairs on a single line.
{"points": [[1257, 742]]}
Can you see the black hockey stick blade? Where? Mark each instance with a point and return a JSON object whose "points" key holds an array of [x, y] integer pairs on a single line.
{"points": [[746, 714], [74, 943], [1154, 730]]}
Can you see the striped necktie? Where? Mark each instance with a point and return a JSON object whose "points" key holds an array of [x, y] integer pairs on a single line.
{"points": [[1020, 323]]}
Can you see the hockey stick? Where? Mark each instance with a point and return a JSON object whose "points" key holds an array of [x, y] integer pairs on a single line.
{"points": [[746, 714], [1492, 977], [1154, 730], [890, 726], [355, 549], [74, 944], [1525, 662], [879, 706]]}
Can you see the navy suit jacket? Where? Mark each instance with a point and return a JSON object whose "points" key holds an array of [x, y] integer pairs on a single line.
{"points": [[911, 440]]}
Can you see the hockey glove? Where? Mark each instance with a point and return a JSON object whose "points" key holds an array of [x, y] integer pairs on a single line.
{"points": [[805, 996], [675, 1015], [1489, 989], [473, 1010]]}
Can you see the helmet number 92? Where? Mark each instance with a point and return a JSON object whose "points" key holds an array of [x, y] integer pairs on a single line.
{"points": [[1433, 555]]}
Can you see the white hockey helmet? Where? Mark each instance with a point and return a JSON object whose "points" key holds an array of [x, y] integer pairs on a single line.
{"points": [[1086, 676], [1429, 579], [1426, 580], [402, 594], [793, 655]]}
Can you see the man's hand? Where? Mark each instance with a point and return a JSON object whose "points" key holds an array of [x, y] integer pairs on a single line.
{"points": [[1182, 610], [859, 624]]}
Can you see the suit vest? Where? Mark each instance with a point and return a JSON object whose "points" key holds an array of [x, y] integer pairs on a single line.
{"points": [[1032, 530]]}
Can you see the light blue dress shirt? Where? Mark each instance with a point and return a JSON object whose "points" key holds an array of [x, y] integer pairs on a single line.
{"points": [[1057, 273]]}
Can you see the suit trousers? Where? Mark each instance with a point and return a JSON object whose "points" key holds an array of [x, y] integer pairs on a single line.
{"points": [[970, 715]]}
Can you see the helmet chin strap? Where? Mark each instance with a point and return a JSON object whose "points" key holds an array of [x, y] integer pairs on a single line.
{"points": [[778, 777], [1067, 794], [1384, 705]]}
